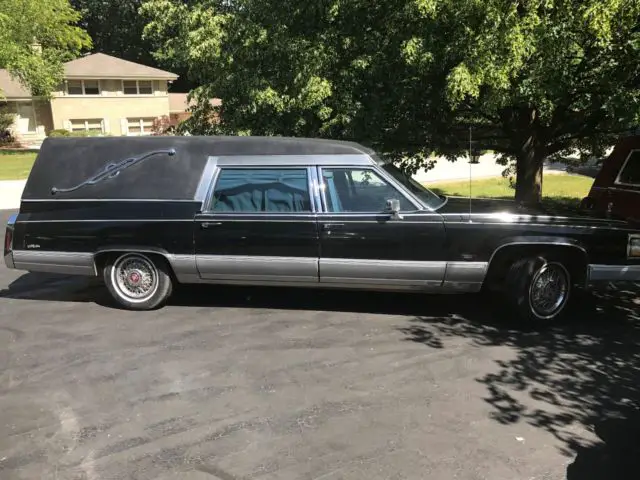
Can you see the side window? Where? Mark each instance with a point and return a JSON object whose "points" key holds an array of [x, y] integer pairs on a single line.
{"points": [[359, 190], [630, 173], [258, 190]]}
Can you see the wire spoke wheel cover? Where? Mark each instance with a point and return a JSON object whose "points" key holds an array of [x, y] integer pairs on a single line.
{"points": [[549, 290], [134, 277]]}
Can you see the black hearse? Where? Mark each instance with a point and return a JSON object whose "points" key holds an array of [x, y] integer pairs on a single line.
{"points": [[145, 213]]}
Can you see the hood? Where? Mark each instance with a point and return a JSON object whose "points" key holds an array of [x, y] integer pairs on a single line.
{"points": [[458, 207]]}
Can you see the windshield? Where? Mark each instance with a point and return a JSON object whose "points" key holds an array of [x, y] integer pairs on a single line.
{"points": [[431, 199]]}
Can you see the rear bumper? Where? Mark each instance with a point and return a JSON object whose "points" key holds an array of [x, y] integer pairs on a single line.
{"points": [[8, 260], [614, 273]]}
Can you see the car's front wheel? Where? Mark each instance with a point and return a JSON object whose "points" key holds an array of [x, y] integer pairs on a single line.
{"points": [[138, 281], [539, 289]]}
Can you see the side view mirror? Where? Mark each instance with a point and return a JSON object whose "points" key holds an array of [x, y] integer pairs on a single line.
{"points": [[393, 208]]}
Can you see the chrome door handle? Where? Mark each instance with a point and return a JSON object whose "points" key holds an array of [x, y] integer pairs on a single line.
{"points": [[210, 224], [329, 226]]}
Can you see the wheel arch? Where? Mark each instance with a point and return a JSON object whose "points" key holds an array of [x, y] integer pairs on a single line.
{"points": [[513, 248], [102, 255]]}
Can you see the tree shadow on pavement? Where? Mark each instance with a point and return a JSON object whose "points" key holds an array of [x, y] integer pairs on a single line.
{"points": [[616, 456], [51, 287], [584, 374]]}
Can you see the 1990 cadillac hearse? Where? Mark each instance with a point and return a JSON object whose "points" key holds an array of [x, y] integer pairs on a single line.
{"points": [[145, 213]]}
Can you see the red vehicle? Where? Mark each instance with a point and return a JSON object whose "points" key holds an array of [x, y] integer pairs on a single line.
{"points": [[616, 189]]}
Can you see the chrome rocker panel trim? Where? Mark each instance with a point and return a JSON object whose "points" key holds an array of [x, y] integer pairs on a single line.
{"points": [[378, 275], [383, 275], [70, 263], [614, 273]]}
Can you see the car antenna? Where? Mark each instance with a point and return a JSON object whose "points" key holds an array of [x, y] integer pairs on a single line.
{"points": [[470, 169]]}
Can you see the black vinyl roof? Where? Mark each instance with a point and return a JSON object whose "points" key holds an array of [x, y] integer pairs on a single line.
{"points": [[171, 170]]}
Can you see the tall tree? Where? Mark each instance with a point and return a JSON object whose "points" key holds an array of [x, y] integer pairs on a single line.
{"points": [[36, 37], [116, 29], [530, 78]]}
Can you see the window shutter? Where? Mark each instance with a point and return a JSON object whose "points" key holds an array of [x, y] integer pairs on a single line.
{"points": [[124, 126]]}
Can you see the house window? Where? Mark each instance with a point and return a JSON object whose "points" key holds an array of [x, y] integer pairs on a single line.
{"points": [[88, 125], [140, 126], [83, 87], [137, 87], [91, 87]]}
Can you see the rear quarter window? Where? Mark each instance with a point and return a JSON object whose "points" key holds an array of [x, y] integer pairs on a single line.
{"points": [[630, 172]]}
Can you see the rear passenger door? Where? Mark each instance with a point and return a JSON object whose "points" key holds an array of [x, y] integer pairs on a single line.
{"points": [[258, 227], [362, 244]]}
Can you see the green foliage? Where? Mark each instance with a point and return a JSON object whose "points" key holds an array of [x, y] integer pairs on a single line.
{"points": [[61, 132], [532, 78], [36, 37], [6, 118]]}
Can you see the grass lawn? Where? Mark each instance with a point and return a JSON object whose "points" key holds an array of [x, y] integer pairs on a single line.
{"points": [[556, 188], [16, 165]]}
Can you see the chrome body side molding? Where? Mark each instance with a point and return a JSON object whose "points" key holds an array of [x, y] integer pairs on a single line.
{"points": [[613, 273], [414, 274], [257, 268], [465, 276], [70, 263], [379, 275]]}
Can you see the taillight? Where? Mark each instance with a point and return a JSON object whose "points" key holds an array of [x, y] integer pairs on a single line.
{"points": [[8, 240], [8, 235]]}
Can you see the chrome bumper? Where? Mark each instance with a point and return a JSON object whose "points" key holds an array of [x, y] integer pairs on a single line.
{"points": [[614, 273], [8, 260]]}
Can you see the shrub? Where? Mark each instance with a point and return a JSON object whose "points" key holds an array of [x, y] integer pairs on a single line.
{"points": [[6, 121], [61, 132]]}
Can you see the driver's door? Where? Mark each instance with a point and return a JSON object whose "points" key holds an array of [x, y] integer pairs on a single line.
{"points": [[361, 243]]}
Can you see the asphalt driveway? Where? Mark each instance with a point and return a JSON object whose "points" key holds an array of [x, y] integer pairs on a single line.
{"points": [[237, 383]]}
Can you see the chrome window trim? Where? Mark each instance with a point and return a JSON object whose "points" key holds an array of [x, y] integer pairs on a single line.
{"points": [[405, 191], [205, 180], [300, 161], [141, 200], [313, 190], [419, 207], [624, 165], [323, 190]]}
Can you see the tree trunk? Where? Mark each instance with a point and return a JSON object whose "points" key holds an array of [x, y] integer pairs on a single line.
{"points": [[530, 154], [529, 163]]}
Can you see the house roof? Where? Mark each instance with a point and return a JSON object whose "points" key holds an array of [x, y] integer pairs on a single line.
{"points": [[100, 65], [179, 103], [11, 88]]}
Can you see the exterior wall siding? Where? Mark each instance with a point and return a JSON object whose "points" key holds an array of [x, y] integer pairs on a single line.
{"points": [[43, 114], [111, 108]]}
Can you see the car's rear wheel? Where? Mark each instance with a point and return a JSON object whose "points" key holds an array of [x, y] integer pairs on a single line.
{"points": [[138, 281], [539, 289]]}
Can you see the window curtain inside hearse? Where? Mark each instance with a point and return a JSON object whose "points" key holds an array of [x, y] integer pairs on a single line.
{"points": [[261, 190]]}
